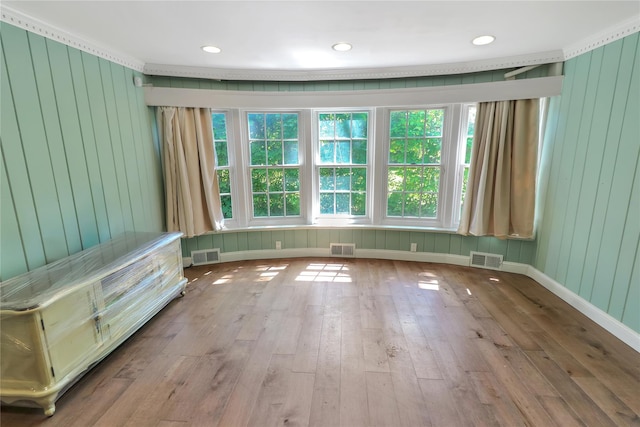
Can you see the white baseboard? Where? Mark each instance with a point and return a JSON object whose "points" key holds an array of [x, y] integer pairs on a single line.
{"points": [[602, 318], [609, 323]]}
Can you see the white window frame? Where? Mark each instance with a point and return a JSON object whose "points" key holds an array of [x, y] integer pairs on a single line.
{"points": [[447, 190], [336, 220], [245, 202]]}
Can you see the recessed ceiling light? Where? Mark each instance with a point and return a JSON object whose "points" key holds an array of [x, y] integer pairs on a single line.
{"points": [[341, 47], [482, 40], [211, 49]]}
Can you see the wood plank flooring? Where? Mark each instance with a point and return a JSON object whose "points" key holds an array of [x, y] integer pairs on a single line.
{"points": [[344, 342]]}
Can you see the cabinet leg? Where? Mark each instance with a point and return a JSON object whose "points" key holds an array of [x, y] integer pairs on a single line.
{"points": [[50, 410]]}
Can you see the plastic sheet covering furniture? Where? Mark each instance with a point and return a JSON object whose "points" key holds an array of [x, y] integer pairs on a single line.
{"points": [[59, 320]]}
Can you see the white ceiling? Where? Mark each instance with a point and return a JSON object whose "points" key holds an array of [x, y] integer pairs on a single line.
{"points": [[293, 39]]}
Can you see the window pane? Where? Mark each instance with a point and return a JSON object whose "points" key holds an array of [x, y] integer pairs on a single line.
{"points": [[327, 153], [274, 150], [359, 125], [326, 203], [343, 125], [274, 126], [412, 204], [430, 205], [292, 204], [342, 204], [292, 180], [260, 205], [326, 126], [416, 122], [276, 180], [398, 124], [219, 126], [396, 179], [343, 152], [434, 122], [359, 179], [259, 180], [258, 153], [432, 150], [227, 211], [358, 204], [414, 151], [469, 147], [359, 152], [222, 157], [276, 205], [396, 151], [327, 179], [343, 179], [414, 179], [394, 204], [291, 153], [256, 126], [224, 182], [290, 126]]}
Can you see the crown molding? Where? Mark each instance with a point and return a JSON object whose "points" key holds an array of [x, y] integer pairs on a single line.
{"points": [[625, 28], [354, 74], [19, 19]]}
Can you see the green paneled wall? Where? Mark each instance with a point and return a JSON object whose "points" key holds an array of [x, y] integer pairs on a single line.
{"points": [[588, 239], [79, 162], [520, 251]]}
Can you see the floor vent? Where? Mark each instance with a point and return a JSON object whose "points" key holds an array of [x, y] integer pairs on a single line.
{"points": [[343, 249], [206, 256], [492, 261]]}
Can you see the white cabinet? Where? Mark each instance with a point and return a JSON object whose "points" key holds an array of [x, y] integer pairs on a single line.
{"points": [[58, 321]]}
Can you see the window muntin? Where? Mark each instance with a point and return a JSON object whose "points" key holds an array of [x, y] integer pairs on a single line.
{"points": [[220, 142], [342, 163], [414, 163], [274, 164]]}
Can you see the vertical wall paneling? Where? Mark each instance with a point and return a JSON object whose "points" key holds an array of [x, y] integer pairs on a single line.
{"points": [[136, 121], [102, 132], [75, 162], [575, 144], [65, 180], [89, 143], [631, 315], [128, 153], [553, 215], [606, 167], [54, 140], [588, 239], [36, 152], [116, 143], [613, 261], [12, 256], [19, 193]]}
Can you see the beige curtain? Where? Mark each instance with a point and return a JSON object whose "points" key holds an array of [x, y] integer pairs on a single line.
{"points": [[500, 197], [192, 195]]}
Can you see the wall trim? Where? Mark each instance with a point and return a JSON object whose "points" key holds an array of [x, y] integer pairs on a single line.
{"points": [[472, 92], [625, 28], [538, 58], [19, 19], [603, 319]]}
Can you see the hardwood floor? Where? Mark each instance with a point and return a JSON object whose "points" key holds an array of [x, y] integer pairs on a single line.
{"points": [[344, 342]]}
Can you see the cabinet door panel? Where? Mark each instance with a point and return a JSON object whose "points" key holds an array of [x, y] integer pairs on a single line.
{"points": [[71, 331]]}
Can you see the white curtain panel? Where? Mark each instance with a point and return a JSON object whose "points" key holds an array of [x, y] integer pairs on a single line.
{"points": [[500, 197], [192, 195]]}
